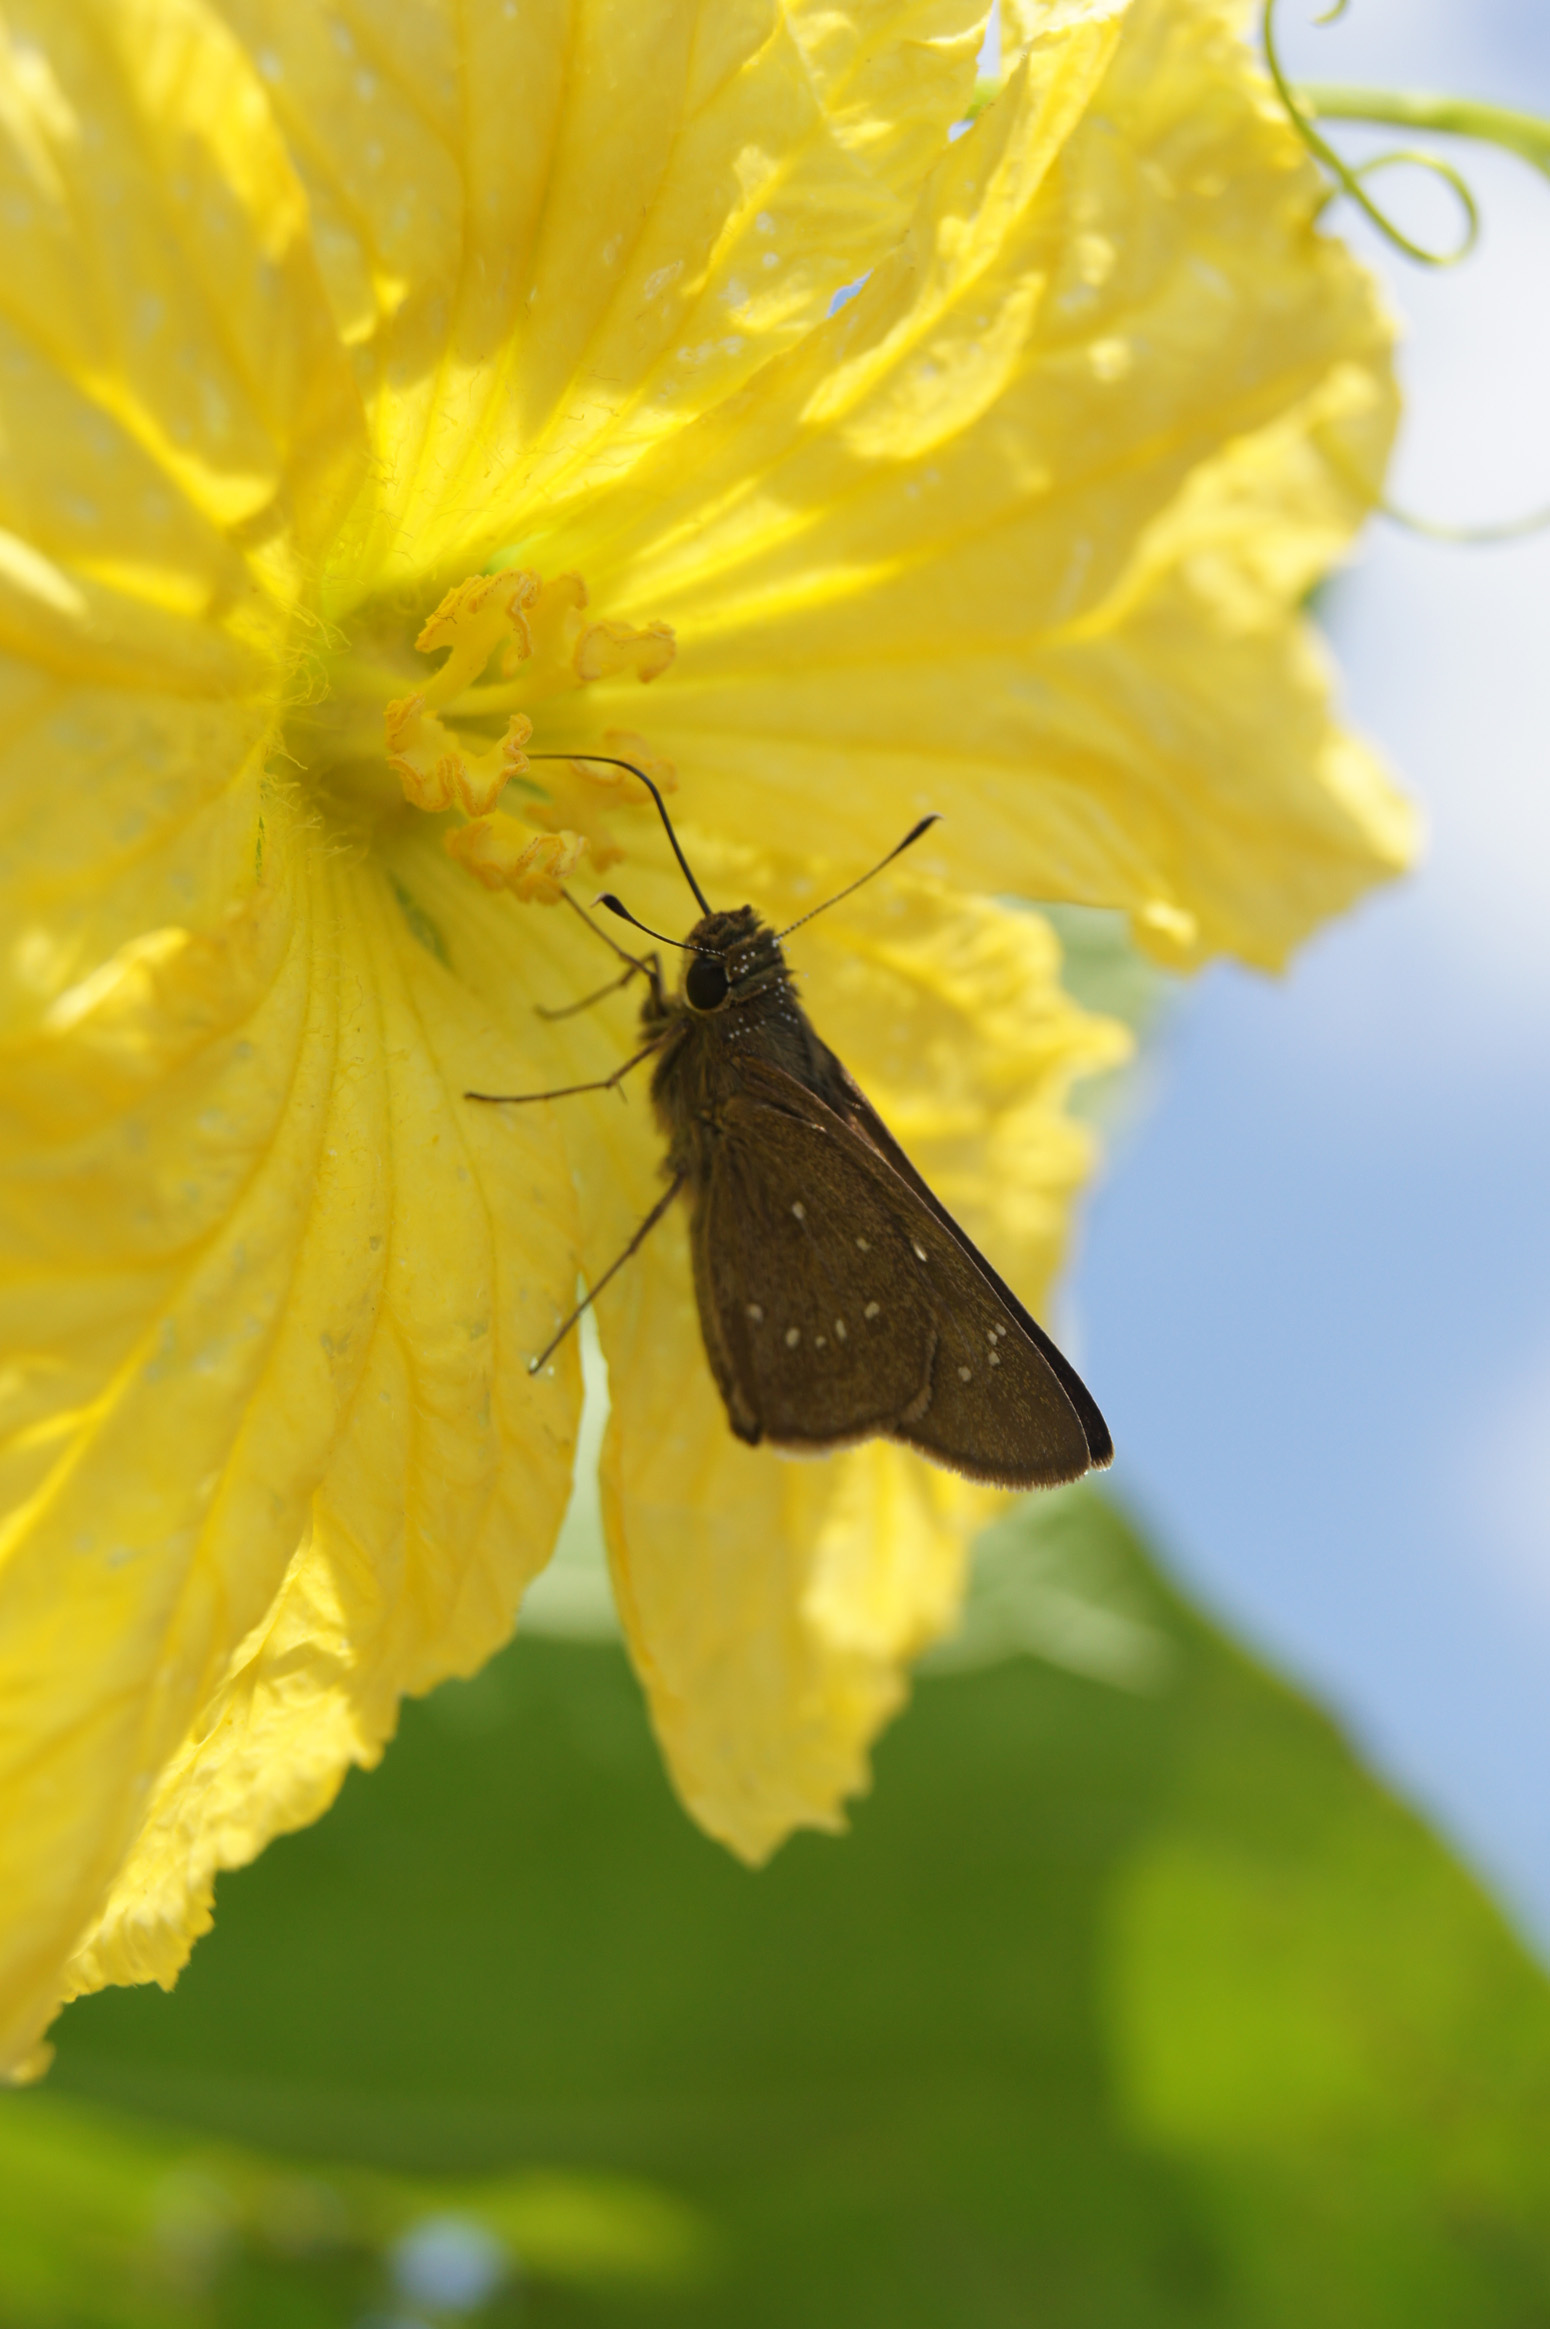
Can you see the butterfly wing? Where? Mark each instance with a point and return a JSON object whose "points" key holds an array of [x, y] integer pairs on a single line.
{"points": [[849, 1101], [838, 1305]]}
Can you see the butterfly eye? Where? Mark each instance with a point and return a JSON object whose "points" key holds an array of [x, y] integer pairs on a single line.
{"points": [[706, 983]]}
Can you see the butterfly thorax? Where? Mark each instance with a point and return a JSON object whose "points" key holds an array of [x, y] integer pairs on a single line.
{"points": [[736, 1000]]}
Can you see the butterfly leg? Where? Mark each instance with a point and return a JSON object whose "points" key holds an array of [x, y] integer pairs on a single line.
{"points": [[634, 1246], [569, 1091], [569, 1010]]}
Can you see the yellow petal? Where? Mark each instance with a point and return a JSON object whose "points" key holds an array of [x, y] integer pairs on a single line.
{"points": [[891, 80], [176, 424], [551, 235], [272, 1452], [167, 347], [770, 1604], [909, 564], [1025, 21], [1201, 669]]}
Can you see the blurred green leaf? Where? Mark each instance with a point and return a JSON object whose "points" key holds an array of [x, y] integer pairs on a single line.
{"points": [[116, 2222], [1131, 2002], [1104, 970]]}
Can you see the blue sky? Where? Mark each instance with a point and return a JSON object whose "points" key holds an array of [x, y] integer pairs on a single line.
{"points": [[1314, 1293]]}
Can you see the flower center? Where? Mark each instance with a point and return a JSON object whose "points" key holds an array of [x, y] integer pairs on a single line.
{"points": [[513, 642], [514, 645]]}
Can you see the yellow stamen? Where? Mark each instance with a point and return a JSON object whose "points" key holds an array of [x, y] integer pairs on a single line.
{"points": [[499, 852], [580, 790], [604, 650], [547, 646], [474, 618], [437, 768]]}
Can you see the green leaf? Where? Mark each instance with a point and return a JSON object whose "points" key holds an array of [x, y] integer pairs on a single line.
{"points": [[1130, 2000]]}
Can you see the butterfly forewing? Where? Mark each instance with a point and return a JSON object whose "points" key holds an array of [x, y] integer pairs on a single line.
{"points": [[846, 1097], [836, 1305]]}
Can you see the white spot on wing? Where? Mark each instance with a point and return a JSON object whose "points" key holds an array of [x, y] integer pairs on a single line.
{"points": [[862, 1246], [756, 1313], [872, 1309], [799, 1211], [964, 1375], [793, 1337], [920, 1251], [839, 1330]]}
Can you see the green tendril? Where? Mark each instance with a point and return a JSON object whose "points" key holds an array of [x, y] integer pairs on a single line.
{"points": [[1466, 537], [1523, 134], [1351, 180]]}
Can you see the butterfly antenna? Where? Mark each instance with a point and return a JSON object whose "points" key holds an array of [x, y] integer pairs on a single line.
{"points": [[898, 849], [607, 760], [618, 906]]}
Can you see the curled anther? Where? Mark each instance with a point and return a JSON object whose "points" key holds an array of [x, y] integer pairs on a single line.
{"points": [[1350, 178]]}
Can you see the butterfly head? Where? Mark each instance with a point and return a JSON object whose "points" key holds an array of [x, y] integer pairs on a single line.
{"points": [[735, 957]]}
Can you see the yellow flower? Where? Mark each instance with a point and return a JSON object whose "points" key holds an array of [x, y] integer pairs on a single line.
{"points": [[389, 398]]}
